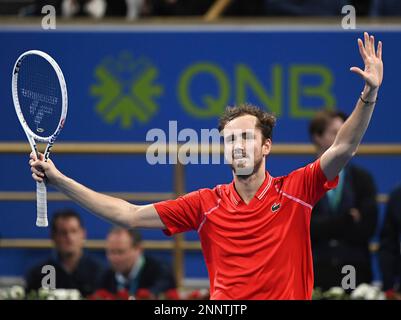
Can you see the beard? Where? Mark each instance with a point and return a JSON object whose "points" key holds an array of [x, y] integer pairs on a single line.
{"points": [[256, 166]]}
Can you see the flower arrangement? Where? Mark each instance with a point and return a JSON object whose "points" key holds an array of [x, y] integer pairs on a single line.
{"points": [[18, 293], [363, 292]]}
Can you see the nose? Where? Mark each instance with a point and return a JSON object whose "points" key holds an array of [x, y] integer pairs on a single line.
{"points": [[239, 144]]}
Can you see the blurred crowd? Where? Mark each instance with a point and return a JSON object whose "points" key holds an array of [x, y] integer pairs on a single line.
{"points": [[129, 271], [134, 9]]}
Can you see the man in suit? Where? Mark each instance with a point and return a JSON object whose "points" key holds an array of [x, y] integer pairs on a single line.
{"points": [[130, 269], [344, 220], [74, 268]]}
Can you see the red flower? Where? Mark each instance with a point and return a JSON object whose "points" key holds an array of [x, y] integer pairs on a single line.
{"points": [[195, 295], [144, 294], [172, 294], [122, 294], [199, 295], [101, 294]]}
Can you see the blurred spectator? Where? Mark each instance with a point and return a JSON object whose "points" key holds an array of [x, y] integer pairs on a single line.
{"points": [[83, 8], [344, 220], [385, 8], [68, 8], [130, 269], [304, 7], [390, 248], [176, 7], [244, 8], [74, 268]]}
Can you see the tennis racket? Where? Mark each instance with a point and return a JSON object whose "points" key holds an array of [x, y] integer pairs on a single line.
{"points": [[40, 100]]}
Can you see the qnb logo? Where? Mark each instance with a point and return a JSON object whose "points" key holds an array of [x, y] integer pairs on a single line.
{"points": [[126, 90]]}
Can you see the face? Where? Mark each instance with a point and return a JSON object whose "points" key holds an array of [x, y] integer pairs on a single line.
{"points": [[120, 252], [244, 148], [324, 141], [69, 236]]}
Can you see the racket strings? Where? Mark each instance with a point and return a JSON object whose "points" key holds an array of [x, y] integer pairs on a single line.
{"points": [[40, 95]]}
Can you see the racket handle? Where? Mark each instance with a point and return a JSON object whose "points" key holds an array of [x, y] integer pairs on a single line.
{"points": [[41, 204]]}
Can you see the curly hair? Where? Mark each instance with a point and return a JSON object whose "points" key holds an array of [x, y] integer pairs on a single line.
{"points": [[265, 123]]}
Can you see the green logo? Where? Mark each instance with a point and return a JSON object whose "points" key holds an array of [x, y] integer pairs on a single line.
{"points": [[126, 90]]}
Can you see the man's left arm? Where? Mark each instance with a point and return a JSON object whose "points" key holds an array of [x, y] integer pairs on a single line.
{"points": [[350, 135]]}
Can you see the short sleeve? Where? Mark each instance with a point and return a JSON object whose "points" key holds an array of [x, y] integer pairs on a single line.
{"points": [[310, 182], [182, 214]]}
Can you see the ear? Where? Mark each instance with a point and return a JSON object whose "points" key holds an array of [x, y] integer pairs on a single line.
{"points": [[266, 147]]}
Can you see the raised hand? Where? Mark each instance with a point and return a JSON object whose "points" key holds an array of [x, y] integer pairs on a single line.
{"points": [[373, 72]]}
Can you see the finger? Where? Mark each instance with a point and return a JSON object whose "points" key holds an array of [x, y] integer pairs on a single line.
{"points": [[372, 45], [379, 50], [36, 178], [362, 50], [41, 156], [37, 172], [367, 43], [31, 162], [33, 155], [358, 71], [40, 165]]}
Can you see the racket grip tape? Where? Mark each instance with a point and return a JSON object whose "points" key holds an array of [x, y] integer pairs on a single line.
{"points": [[41, 204]]}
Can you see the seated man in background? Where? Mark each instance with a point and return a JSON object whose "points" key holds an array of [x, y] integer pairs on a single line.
{"points": [[344, 220], [130, 268], [74, 268], [390, 246]]}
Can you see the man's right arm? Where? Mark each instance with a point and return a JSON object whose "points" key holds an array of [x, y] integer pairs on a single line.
{"points": [[115, 210]]}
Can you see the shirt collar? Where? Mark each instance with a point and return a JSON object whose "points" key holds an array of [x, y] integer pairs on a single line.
{"points": [[136, 268], [260, 194]]}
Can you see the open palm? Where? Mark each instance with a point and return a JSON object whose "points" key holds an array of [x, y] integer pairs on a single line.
{"points": [[373, 72]]}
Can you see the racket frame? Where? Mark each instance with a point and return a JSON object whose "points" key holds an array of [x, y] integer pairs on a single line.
{"points": [[41, 220]]}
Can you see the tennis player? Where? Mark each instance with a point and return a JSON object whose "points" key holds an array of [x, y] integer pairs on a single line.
{"points": [[254, 231]]}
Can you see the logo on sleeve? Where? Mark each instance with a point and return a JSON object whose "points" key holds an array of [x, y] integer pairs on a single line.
{"points": [[275, 207]]}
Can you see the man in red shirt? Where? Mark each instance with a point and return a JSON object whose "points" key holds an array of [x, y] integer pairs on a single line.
{"points": [[254, 231]]}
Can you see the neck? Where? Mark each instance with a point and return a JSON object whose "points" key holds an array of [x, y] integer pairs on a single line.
{"points": [[248, 187], [70, 261], [134, 265]]}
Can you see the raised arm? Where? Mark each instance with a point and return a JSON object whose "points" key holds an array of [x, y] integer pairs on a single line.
{"points": [[112, 209], [350, 135]]}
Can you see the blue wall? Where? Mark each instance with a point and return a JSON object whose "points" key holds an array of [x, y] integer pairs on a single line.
{"points": [[188, 77]]}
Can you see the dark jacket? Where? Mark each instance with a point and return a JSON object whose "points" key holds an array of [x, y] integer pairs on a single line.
{"points": [[154, 276], [84, 278], [337, 240], [390, 250]]}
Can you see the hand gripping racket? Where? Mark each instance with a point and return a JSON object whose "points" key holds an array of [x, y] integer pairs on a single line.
{"points": [[40, 100]]}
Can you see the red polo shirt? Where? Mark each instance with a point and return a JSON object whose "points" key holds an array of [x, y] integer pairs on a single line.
{"points": [[257, 251]]}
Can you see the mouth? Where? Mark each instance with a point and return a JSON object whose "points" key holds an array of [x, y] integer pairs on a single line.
{"points": [[237, 155]]}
